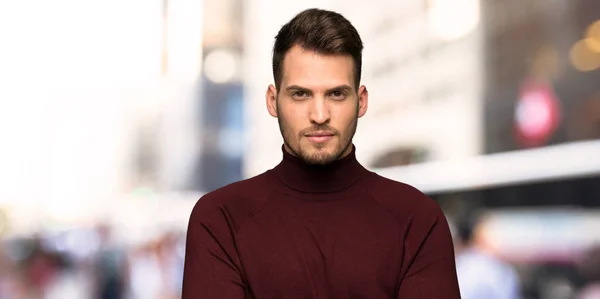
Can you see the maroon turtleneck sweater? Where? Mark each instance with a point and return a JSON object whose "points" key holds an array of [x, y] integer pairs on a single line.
{"points": [[301, 231]]}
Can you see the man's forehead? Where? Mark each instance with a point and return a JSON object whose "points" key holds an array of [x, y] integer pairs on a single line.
{"points": [[314, 71]]}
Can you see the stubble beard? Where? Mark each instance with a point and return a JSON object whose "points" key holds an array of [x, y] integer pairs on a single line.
{"points": [[320, 156]]}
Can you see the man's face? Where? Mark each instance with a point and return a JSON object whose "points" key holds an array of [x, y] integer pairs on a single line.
{"points": [[317, 105]]}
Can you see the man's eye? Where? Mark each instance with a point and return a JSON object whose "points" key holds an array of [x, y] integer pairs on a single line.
{"points": [[299, 94], [338, 95]]}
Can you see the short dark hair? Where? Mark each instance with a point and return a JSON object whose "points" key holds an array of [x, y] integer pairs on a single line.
{"points": [[322, 31]]}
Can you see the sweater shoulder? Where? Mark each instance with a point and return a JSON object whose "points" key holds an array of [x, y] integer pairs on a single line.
{"points": [[232, 204], [404, 201]]}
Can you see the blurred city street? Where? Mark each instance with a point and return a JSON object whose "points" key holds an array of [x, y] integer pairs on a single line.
{"points": [[116, 116]]}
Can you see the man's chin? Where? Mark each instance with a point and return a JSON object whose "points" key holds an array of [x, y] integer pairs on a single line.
{"points": [[319, 156], [318, 161]]}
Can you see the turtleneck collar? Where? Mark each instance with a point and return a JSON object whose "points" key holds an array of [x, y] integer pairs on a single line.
{"points": [[336, 176]]}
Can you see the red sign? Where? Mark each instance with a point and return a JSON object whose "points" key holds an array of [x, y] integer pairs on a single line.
{"points": [[537, 114]]}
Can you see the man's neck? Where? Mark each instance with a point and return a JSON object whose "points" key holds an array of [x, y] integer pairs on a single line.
{"points": [[304, 177]]}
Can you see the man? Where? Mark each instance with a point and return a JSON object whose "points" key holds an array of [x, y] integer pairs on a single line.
{"points": [[318, 225]]}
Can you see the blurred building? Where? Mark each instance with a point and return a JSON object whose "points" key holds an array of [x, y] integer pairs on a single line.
{"points": [[422, 64], [195, 143], [222, 99], [92, 109], [542, 62], [537, 175], [423, 67]]}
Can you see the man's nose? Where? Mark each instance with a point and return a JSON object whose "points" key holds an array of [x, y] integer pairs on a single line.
{"points": [[319, 111]]}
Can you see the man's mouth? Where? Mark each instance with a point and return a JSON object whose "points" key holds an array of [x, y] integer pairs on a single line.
{"points": [[320, 136]]}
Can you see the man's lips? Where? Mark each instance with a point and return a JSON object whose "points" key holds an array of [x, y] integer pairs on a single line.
{"points": [[319, 134], [319, 137]]}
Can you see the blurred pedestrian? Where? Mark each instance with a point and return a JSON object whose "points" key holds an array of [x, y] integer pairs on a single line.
{"points": [[109, 267], [589, 267], [481, 275]]}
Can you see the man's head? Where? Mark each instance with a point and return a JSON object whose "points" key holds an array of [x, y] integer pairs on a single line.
{"points": [[317, 99]]}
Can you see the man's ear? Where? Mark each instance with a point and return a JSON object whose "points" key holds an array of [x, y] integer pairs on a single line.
{"points": [[271, 98], [363, 100]]}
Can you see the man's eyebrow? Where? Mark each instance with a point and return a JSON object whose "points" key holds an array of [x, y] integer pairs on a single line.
{"points": [[296, 87], [343, 87], [300, 88]]}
